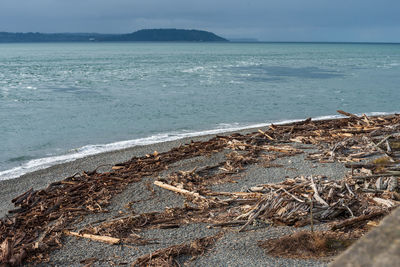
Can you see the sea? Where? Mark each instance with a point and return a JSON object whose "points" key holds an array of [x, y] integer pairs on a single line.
{"points": [[64, 101]]}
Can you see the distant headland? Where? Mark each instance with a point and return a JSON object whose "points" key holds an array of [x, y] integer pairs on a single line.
{"points": [[148, 35]]}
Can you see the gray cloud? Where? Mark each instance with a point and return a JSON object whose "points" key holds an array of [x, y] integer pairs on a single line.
{"points": [[271, 20]]}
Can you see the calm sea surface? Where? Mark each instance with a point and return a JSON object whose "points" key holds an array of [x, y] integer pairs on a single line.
{"points": [[59, 102]]}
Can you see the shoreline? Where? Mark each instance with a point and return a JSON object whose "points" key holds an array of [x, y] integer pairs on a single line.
{"points": [[48, 162], [130, 190], [41, 178]]}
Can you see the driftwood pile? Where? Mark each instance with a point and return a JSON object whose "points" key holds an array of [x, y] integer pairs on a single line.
{"points": [[371, 190], [299, 201], [36, 227]]}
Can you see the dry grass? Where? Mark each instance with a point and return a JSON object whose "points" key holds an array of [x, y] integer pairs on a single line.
{"points": [[307, 244]]}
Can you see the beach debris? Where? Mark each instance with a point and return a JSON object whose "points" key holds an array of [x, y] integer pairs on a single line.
{"points": [[37, 224], [288, 202], [358, 222], [178, 190], [88, 262], [99, 238], [35, 228], [307, 244], [168, 256]]}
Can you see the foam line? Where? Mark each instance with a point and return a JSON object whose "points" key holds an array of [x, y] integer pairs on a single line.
{"points": [[88, 150]]}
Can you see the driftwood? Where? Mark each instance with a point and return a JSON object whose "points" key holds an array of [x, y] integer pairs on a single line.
{"points": [[266, 135], [347, 114], [80, 194], [316, 194], [357, 220], [385, 202], [366, 165], [376, 175], [383, 151], [231, 223], [99, 238], [178, 190], [166, 256], [33, 228], [342, 200]]}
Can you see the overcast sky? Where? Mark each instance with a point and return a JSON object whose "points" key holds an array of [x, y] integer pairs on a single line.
{"points": [[266, 20]]}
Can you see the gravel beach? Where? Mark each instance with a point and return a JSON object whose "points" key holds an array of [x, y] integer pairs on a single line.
{"points": [[42, 178], [233, 249]]}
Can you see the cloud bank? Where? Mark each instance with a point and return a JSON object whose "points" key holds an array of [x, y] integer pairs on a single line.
{"points": [[267, 20]]}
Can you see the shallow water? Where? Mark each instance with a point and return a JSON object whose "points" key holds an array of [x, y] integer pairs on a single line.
{"points": [[63, 101]]}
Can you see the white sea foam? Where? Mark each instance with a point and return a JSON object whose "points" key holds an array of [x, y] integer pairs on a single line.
{"points": [[194, 69], [236, 82], [42, 163], [389, 65]]}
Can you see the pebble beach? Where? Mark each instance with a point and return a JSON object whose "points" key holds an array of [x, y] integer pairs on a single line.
{"points": [[233, 249]]}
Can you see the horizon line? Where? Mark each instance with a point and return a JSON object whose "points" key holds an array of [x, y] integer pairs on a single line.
{"points": [[230, 39]]}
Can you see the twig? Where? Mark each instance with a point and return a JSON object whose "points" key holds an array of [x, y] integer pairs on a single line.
{"points": [[296, 198], [383, 140], [388, 148], [316, 194], [265, 134], [311, 215], [347, 207], [101, 166], [348, 188], [231, 223]]}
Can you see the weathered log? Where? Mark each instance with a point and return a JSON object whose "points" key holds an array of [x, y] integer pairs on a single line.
{"points": [[385, 202], [363, 165], [365, 177], [231, 223], [352, 221], [178, 190], [99, 238], [22, 197], [347, 114]]}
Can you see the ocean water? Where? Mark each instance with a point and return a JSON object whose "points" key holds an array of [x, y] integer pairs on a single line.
{"points": [[59, 102]]}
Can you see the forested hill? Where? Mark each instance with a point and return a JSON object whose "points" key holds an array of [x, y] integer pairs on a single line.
{"points": [[151, 35], [161, 35]]}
